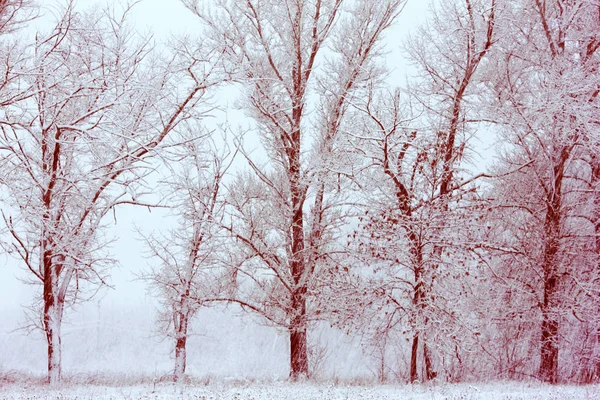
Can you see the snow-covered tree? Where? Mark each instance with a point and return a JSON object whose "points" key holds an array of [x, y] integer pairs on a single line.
{"points": [[545, 96], [191, 255], [99, 105], [414, 234], [14, 15], [301, 62]]}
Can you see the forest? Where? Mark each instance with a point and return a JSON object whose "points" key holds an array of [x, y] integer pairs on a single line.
{"points": [[346, 198]]}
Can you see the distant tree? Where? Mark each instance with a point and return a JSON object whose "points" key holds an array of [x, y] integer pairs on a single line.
{"points": [[191, 255], [100, 104], [14, 14], [301, 63]]}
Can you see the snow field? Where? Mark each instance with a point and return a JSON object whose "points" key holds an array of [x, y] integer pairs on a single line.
{"points": [[305, 391]]}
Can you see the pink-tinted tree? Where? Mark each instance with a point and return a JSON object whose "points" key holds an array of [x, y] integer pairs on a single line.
{"points": [[99, 105], [192, 255], [545, 95], [301, 62], [414, 234]]}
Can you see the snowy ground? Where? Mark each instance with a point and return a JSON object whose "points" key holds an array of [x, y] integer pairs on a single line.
{"points": [[256, 391]]}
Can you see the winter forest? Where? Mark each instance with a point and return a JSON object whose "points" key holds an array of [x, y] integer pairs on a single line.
{"points": [[306, 189]]}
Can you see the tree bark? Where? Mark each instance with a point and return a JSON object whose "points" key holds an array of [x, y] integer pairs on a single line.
{"points": [[298, 342], [420, 305], [549, 330], [413, 359], [429, 372], [53, 307], [595, 180], [549, 350], [180, 348], [298, 339], [548, 371]]}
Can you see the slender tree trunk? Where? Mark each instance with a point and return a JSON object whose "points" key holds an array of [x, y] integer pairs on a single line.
{"points": [[413, 358], [382, 377], [52, 320], [180, 347]]}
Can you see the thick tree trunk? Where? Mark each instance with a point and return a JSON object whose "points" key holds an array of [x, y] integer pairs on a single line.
{"points": [[298, 339], [419, 301], [52, 327], [429, 372], [180, 348], [298, 267], [596, 179], [548, 371], [549, 350]]}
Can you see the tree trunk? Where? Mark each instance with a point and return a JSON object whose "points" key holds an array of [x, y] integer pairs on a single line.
{"points": [[382, 347], [52, 326], [548, 371], [596, 179], [549, 332], [180, 348], [52, 322], [549, 350], [413, 359], [420, 303], [298, 342], [298, 339], [429, 372]]}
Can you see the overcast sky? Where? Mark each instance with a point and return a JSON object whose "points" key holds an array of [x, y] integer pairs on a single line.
{"points": [[165, 18]]}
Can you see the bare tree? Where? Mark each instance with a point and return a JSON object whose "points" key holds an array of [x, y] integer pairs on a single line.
{"points": [[295, 56], [101, 104], [546, 96], [192, 255], [412, 155], [14, 14]]}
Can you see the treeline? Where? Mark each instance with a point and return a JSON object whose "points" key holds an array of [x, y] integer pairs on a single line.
{"points": [[360, 209]]}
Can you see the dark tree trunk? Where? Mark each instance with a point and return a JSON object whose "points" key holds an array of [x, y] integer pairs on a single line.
{"points": [[548, 371], [420, 303], [413, 358], [549, 330], [298, 323], [596, 180], [52, 320], [298, 339], [429, 372], [549, 351]]}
